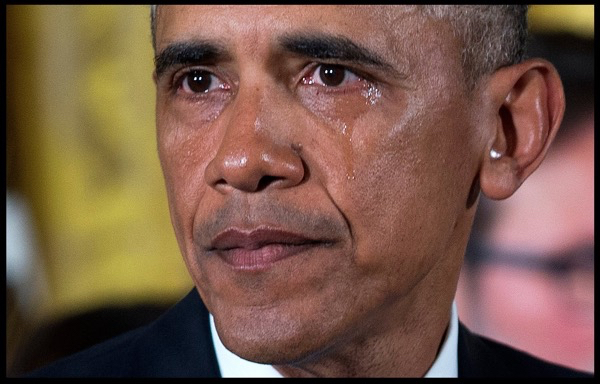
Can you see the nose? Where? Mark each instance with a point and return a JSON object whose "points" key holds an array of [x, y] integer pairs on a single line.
{"points": [[255, 152]]}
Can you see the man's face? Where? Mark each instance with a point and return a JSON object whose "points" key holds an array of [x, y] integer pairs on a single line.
{"points": [[318, 162]]}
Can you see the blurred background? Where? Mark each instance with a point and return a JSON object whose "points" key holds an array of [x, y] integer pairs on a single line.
{"points": [[90, 248], [528, 279], [88, 227]]}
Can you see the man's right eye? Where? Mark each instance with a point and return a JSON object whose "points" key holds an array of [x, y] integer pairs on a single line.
{"points": [[199, 81]]}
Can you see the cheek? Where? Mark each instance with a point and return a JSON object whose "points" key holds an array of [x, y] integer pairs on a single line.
{"points": [[411, 182], [184, 149]]}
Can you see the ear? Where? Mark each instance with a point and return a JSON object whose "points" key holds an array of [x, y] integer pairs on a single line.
{"points": [[528, 103]]}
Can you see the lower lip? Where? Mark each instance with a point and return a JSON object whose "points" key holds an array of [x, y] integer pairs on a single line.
{"points": [[261, 258]]}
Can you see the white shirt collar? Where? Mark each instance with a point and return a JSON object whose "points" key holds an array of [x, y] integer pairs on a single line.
{"points": [[446, 362], [231, 365]]}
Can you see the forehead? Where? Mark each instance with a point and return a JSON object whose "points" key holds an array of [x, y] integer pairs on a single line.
{"points": [[246, 18], [390, 28]]}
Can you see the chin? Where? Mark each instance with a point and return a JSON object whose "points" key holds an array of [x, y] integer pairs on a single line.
{"points": [[264, 348], [270, 337]]}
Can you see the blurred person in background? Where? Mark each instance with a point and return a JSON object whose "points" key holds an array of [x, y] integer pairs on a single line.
{"points": [[529, 273]]}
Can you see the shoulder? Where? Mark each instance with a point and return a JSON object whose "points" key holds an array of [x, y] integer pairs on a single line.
{"points": [[113, 358], [479, 356], [177, 344]]}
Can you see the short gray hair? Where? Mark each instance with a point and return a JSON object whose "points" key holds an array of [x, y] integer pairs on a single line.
{"points": [[153, 13], [492, 36]]}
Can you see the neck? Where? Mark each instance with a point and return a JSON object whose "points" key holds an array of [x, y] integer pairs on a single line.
{"points": [[404, 346]]}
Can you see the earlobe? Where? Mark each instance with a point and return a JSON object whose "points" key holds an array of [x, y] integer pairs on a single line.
{"points": [[498, 177], [529, 105]]}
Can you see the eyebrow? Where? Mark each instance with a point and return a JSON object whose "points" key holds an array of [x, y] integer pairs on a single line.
{"points": [[187, 52], [314, 45], [332, 47]]}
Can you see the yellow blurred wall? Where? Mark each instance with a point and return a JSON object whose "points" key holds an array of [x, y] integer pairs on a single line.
{"points": [[574, 19], [79, 80]]}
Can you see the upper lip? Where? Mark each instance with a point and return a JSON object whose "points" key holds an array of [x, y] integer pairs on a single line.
{"points": [[232, 238]]}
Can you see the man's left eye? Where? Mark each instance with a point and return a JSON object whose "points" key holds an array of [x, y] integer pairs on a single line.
{"points": [[331, 75]]}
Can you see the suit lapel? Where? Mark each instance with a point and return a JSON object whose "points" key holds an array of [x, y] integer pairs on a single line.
{"points": [[179, 344]]}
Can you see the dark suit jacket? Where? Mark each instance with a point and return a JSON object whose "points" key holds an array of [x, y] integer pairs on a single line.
{"points": [[179, 344]]}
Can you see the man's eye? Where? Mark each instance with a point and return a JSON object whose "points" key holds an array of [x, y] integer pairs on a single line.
{"points": [[199, 81], [331, 75]]}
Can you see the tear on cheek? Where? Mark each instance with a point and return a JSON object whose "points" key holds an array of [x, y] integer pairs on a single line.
{"points": [[372, 94]]}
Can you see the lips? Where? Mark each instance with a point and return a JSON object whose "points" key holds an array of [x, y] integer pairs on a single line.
{"points": [[259, 248]]}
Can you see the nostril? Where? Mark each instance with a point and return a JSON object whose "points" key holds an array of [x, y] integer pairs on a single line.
{"points": [[220, 183], [256, 166], [265, 181]]}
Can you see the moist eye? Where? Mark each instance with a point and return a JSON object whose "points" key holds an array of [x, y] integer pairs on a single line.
{"points": [[197, 81], [332, 75]]}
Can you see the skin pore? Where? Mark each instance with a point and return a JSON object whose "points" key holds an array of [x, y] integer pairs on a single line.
{"points": [[348, 136]]}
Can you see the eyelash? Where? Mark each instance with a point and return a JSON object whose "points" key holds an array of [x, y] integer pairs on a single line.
{"points": [[179, 80], [349, 75]]}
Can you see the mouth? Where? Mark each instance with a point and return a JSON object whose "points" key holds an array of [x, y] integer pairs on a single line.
{"points": [[260, 248]]}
